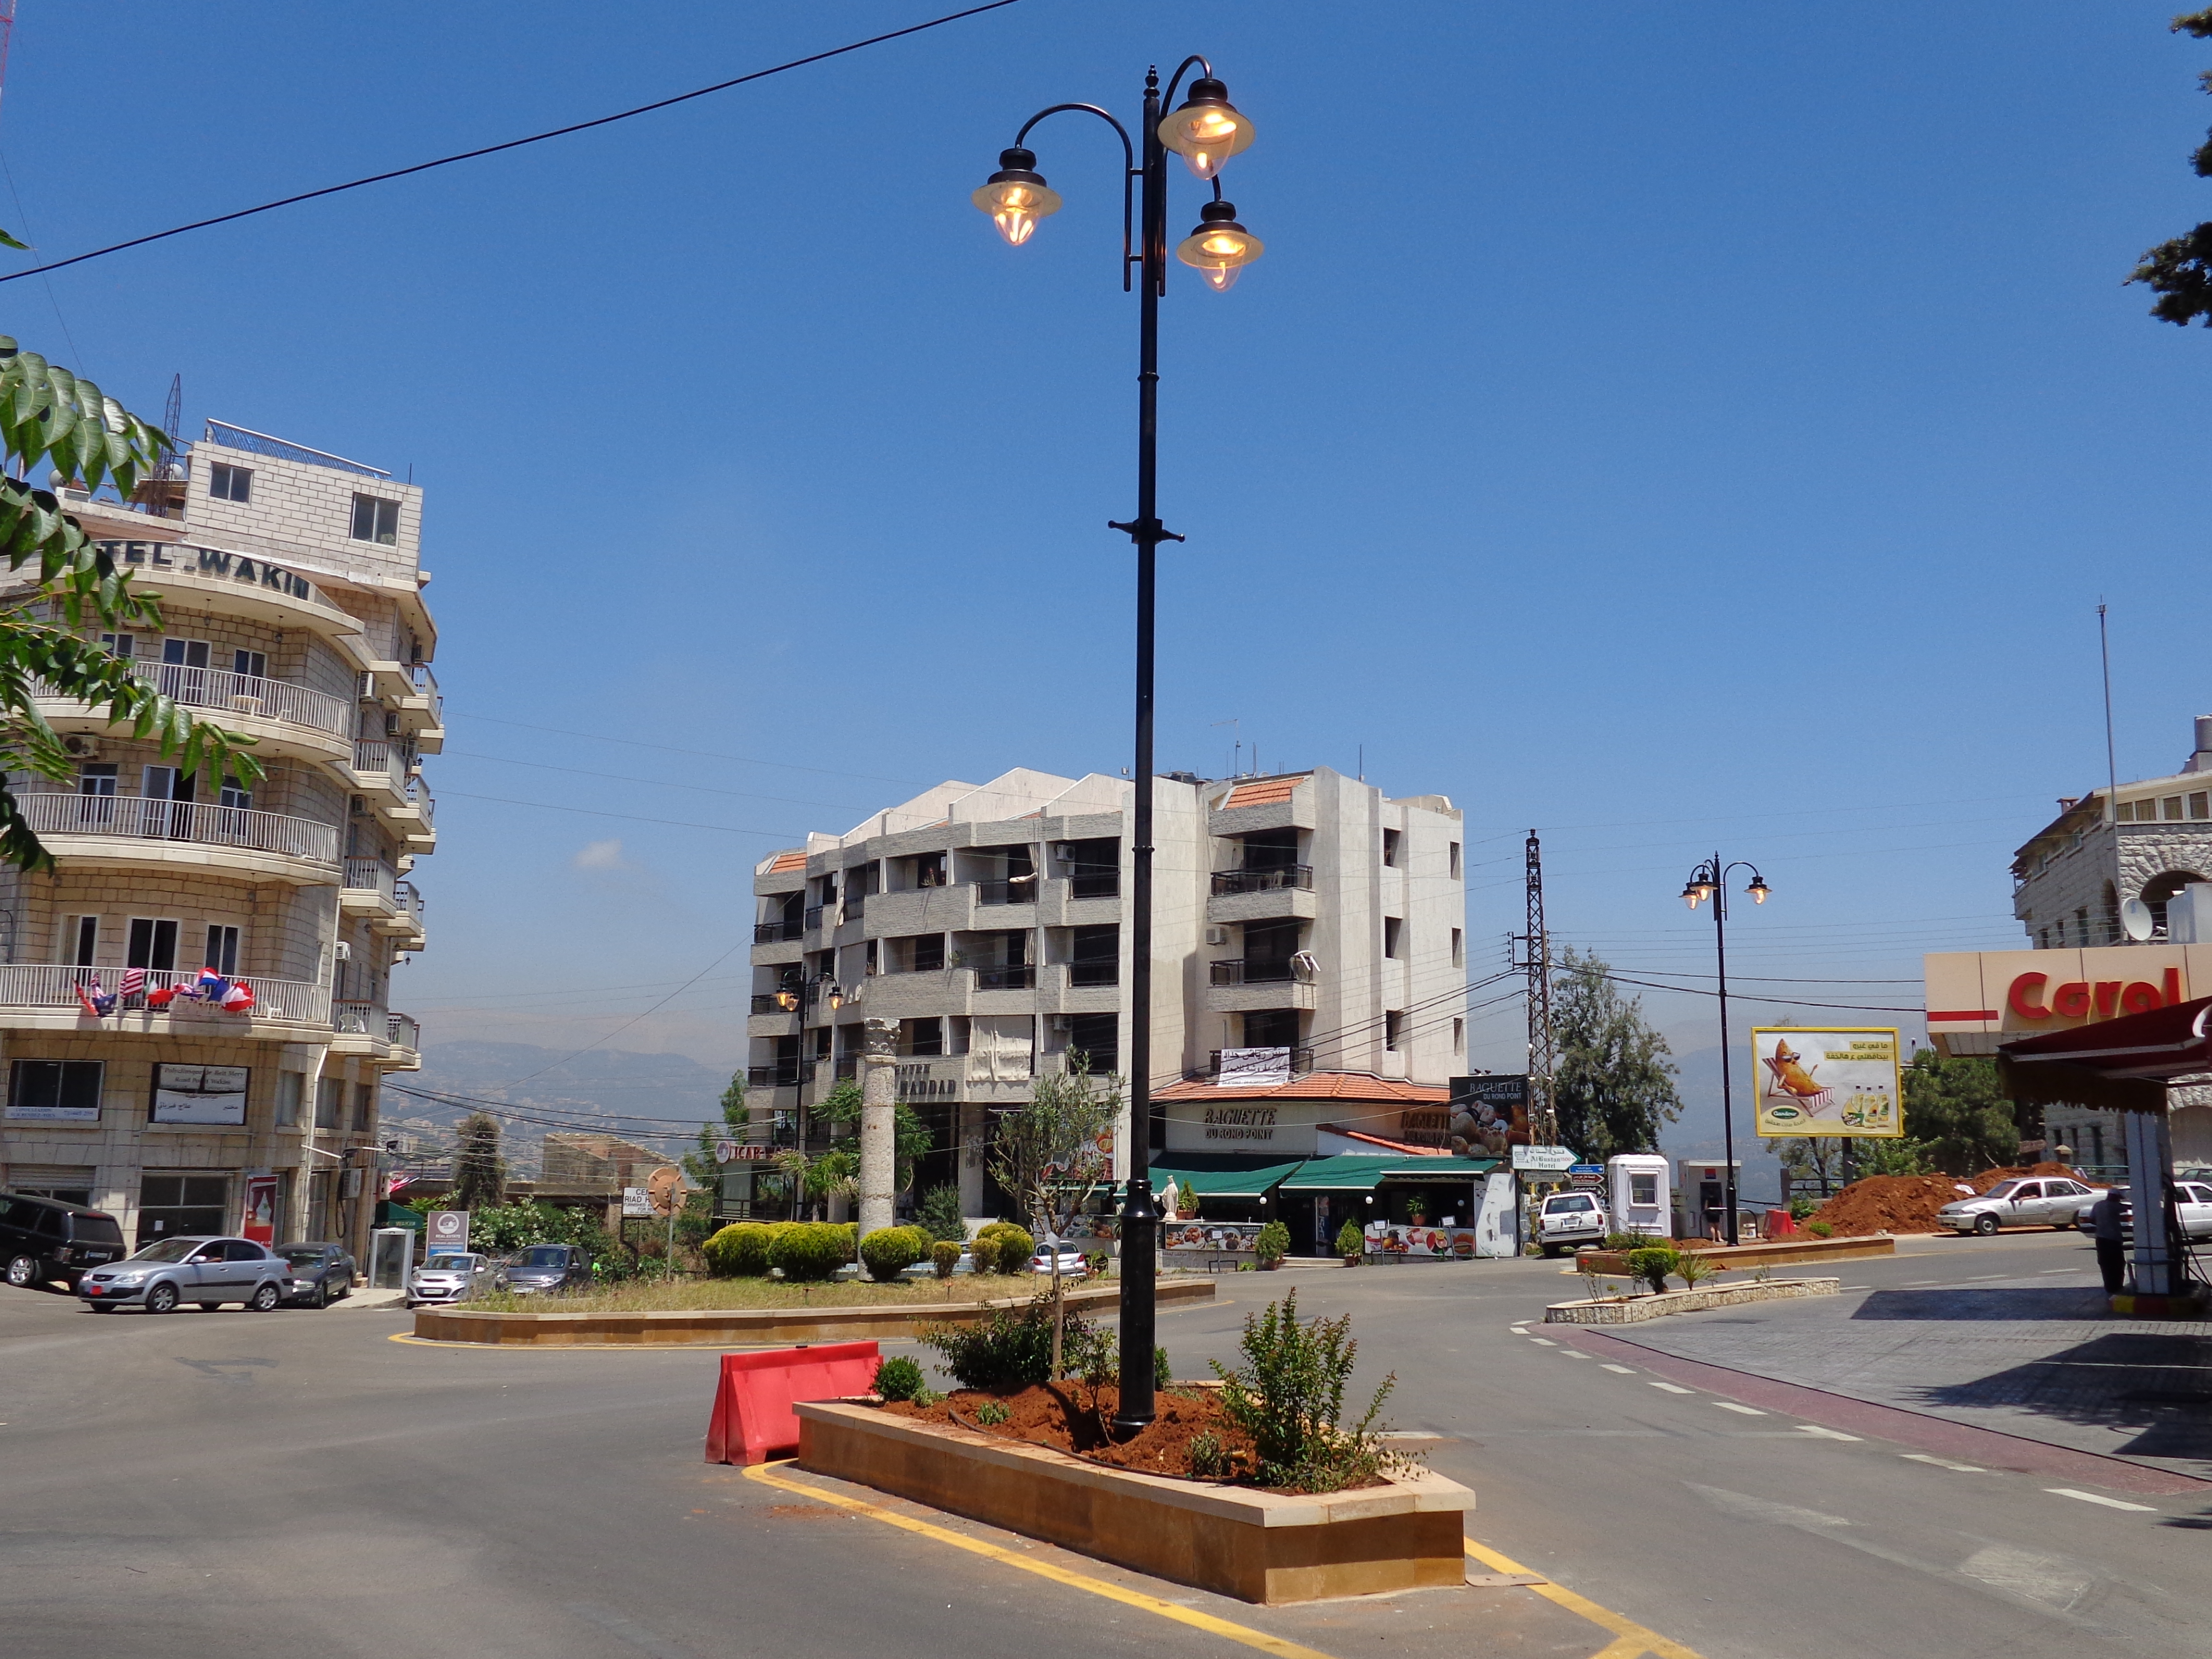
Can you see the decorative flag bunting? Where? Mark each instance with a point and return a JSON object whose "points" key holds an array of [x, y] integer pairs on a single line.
{"points": [[232, 996], [133, 982]]}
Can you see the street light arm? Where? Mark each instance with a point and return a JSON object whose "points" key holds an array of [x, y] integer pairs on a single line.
{"points": [[1129, 171], [1175, 80]]}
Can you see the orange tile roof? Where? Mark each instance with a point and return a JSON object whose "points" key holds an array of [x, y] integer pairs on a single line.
{"points": [[787, 861], [1264, 793], [1316, 1086]]}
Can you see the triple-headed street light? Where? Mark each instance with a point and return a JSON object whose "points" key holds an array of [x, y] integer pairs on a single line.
{"points": [[1710, 881], [1205, 129]]}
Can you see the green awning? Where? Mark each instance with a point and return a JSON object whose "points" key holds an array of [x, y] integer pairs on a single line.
{"points": [[1351, 1173], [1226, 1183]]}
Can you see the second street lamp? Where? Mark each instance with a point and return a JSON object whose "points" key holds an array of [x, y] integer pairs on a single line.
{"points": [[1710, 881], [1206, 130]]}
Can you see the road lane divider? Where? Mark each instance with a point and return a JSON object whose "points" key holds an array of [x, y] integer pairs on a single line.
{"points": [[1820, 1433], [2099, 1498], [1672, 1387], [1730, 1406], [1626, 1370], [1943, 1462]]}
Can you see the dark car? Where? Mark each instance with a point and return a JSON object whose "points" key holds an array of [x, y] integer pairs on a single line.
{"points": [[43, 1239], [320, 1272], [543, 1268]]}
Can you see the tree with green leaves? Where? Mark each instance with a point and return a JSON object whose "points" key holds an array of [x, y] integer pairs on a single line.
{"points": [[1054, 1151], [704, 1169], [910, 1136], [49, 629], [1614, 1085], [1956, 1113], [479, 1172], [2180, 271]]}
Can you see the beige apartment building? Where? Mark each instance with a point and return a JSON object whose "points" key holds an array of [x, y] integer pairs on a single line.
{"points": [[1306, 913], [291, 595]]}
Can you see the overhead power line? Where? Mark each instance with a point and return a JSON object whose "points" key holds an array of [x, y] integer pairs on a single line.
{"points": [[512, 143]]}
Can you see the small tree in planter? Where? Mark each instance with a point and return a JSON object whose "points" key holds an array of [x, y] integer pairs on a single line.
{"points": [[1054, 1152], [1272, 1245], [1652, 1264], [1289, 1397], [1351, 1243]]}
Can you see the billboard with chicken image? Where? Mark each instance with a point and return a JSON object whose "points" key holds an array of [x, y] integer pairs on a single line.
{"points": [[1842, 1082]]}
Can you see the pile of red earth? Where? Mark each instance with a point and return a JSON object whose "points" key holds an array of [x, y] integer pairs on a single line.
{"points": [[1073, 1417], [1907, 1203]]}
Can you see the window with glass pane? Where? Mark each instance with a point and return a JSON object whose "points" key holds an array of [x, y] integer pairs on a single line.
{"points": [[230, 483], [222, 950], [375, 520]]}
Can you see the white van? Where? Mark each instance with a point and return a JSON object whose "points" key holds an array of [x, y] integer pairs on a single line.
{"points": [[1636, 1185]]}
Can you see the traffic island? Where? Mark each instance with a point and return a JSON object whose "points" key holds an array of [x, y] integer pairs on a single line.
{"points": [[1635, 1309], [743, 1326], [1778, 1253], [1405, 1533]]}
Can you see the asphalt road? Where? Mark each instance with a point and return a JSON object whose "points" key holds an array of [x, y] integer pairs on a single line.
{"points": [[295, 1483]]}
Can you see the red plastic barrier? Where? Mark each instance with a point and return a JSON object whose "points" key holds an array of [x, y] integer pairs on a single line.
{"points": [[753, 1419]]}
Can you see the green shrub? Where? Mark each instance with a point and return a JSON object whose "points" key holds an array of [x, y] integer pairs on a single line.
{"points": [[1015, 1245], [1273, 1242], [740, 1251], [1821, 1228], [991, 1413], [1098, 1261], [1289, 1397], [889, 1251], [944, 1256], [1692, 1268], [898, 1378], [982, 1254], [810, 1250], [1351, 1243], [1652, 1264], [1012, 1349], [1622, 1243], [939, 1214], [1209, 1458]]}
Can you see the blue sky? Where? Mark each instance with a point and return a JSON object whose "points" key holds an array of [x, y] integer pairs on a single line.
{"points": [[1670, 427]]}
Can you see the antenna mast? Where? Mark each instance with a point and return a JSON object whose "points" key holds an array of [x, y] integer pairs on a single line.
{"points": [[1543, 1119], [2112, 760]]}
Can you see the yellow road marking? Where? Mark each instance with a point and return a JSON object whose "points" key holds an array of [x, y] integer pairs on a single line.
{"points": [[1633, 1638], [764, 1472]]}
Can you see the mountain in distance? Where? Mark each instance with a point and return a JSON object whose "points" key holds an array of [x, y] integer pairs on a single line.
{"points": [[614, 1086]]}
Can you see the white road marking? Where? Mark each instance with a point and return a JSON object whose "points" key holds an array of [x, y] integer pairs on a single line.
{"points": [[1920, 1284], [1981, 1279], [1570, 1353], [1545, 1342], [1824, 1434], [2050, 1579], [1672, 1388], [1943, 1462], [1626, 1370], [1730, 1406], [2064, 1270], [1745, 1507], [1848, 1289], [2099, 1498]]}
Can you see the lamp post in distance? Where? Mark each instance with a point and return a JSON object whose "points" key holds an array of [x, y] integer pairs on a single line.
{"points": [[1205, 129], [1710, 881]]}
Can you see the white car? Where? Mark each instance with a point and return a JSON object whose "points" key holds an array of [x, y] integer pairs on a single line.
{"points": [[2047, 1202], [1071, 1264], [1565, 1221], [2192, 1202], [204, 1272], [454, 1276]]}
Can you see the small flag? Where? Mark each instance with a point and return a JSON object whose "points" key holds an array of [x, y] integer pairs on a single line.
{"points": [[239, 998], [86, 997], [210, 986], [163, 997], [134, 981]]}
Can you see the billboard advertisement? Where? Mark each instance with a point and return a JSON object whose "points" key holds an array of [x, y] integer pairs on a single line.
{"points": [[1839, 1082], [1489, 1113], [199, 1094]]}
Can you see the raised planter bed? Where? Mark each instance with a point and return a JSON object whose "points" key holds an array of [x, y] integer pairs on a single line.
{"points": [[1780, 1253], [737, 1327], [1635, 1309], [1257, 1545]]}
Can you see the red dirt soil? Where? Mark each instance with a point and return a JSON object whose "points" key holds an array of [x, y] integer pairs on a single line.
{"points": [[1072, 1417], [1907, 1203]]}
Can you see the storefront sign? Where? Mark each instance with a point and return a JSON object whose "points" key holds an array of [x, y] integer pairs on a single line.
{"points": [[1421, 1243], [212, 562], [930, 1081], [1995, 995], [200, 1094], [1842, 1082], [260, 1222], [1254, 1068], [637, 1201]]}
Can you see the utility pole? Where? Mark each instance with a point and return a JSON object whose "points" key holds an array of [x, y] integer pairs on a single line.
{"points": [[1543, 1059]]}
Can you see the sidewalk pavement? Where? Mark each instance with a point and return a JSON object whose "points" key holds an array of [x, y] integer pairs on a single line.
{"points": [[361, 1297]]}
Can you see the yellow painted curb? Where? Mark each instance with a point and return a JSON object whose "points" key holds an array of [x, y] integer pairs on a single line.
{"points": [[1631, 1638]]}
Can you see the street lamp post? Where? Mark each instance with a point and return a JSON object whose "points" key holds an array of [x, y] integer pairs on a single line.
{"points": [[1205, 129], [1710, 881]]}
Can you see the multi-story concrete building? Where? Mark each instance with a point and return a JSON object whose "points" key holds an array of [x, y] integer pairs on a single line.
{"points": [[1306, 913], [290, 589]]}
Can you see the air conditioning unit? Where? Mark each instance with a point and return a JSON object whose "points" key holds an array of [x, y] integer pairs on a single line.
{"points": [[83, 748], [342, 951], [1062, 853], [1063, 1022], [1217, 936]]}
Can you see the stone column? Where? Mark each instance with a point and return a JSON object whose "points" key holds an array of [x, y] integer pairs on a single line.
{"points": [[879, 1096]]}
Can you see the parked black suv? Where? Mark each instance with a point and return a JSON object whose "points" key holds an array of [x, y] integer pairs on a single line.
{"points": [[43, 1239]]}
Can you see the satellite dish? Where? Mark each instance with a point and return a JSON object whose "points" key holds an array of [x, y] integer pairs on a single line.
{"points": [[666, 1186], [2136, 920]]}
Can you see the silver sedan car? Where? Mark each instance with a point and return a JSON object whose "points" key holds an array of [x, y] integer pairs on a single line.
{"points": [[2041, 1201], [454, 1276], [207, 1272], [2192, 1202]]}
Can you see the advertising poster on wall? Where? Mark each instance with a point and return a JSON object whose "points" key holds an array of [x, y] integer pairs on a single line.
{"points": [[1841, 1082], [260, 1220], [1489, 1113], [200, 1094]]}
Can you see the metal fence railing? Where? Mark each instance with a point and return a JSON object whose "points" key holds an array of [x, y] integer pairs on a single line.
{"points": [[142, 817]]}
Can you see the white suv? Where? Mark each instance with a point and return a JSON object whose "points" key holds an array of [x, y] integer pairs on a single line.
{"points": [[1566, 1220]]}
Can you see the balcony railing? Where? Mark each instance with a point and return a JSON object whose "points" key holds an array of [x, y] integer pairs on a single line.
{"points": [[1302, 1061], [812, 920], [142, 818], [372, 876], [1006, 892], [402, 1031], [1095, 884], [408, 898], [1298, 876], [239, 694], [856, 906], [777, 931], [378, 757], [1094, 973], [788, 1075], [1247, 971], [778, 1002], [418, 797], [1012, 976], [33, 985]]}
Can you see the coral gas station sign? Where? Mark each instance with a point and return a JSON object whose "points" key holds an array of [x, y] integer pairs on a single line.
{"points": [[1978, 999]]}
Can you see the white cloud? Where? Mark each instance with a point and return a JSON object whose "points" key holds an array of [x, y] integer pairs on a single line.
{"points": [[600, 855]]}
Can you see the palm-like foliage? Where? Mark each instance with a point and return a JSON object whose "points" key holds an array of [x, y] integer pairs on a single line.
{"points": [[51, 416]]}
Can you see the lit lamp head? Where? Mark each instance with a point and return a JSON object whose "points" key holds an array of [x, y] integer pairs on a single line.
{"points": [[1697, 891], [1220, 247], [1207, 130], [1016, 196], [836, 996], [787, 1000], [1759, 889]]}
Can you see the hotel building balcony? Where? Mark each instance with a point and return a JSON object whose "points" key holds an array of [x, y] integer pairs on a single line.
{"points": [[136, 830], [43, 996]]}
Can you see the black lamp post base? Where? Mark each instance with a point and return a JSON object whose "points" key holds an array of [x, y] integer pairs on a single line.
{"points": [[1141, 1233]]}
